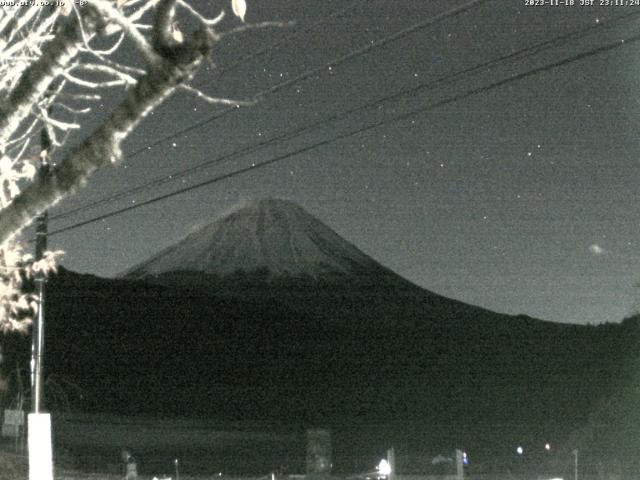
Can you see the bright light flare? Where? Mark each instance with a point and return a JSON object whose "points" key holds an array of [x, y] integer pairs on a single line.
{"points": [[384, 468]]}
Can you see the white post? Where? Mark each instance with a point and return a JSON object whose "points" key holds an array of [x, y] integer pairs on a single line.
{"points": [[40, 453], [391, 458], [575, 464], [459, 464]]}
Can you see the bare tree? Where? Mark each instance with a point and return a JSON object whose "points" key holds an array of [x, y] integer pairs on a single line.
{"points": [[54, 62]]}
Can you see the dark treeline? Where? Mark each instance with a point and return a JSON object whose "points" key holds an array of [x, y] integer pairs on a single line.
{"points": [[406, 366]]}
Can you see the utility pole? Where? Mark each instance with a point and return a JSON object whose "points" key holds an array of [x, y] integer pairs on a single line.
{"points": [[39, 425], [37, 340]]}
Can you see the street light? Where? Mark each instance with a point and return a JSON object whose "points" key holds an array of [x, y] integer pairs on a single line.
{"points": [[384, 467]]}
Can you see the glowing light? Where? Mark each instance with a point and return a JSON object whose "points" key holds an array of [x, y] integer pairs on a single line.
{"points": [[547, 446], [596, 249], [520, 450], [384, 468]]}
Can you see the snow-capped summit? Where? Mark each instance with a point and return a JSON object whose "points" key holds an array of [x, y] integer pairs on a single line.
{"points": [[271, 236]]}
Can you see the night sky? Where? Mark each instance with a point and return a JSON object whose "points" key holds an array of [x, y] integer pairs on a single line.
{"points": [[521, 198]]}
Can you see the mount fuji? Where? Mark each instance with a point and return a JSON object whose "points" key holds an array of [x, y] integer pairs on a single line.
{"points": [[272, 236], [268, 314], [272, 250]]}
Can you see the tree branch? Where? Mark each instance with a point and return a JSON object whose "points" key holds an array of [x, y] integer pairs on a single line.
{"points": [[103, 146], [37, 77]]}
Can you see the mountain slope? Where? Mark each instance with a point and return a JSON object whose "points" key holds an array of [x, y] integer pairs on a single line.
{"points": [[270, 235], [272, 250], [439, 376], [306, 329]]}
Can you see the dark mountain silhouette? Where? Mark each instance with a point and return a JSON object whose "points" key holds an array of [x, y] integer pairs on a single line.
{"points": [[291, 324], [272, 250]]}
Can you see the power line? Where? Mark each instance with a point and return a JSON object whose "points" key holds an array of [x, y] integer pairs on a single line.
{"points": [[454, 76], [403, 116], [309, 73], [280, 86]]}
